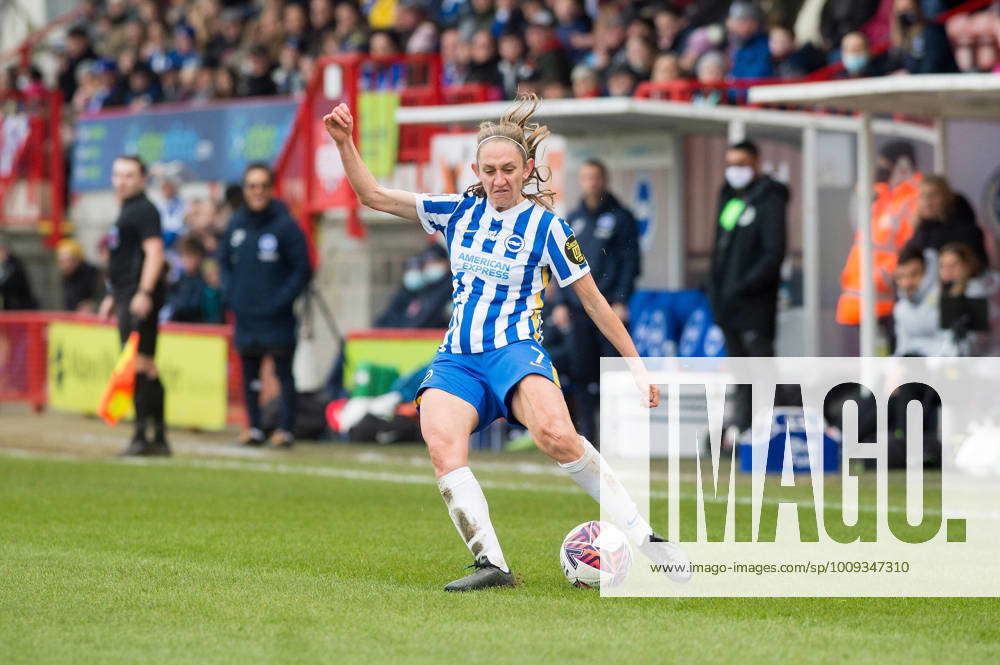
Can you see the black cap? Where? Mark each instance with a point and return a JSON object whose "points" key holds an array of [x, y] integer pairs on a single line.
{"points": [[893, 150]]}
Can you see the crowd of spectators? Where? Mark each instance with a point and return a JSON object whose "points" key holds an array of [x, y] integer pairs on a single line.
{"points": [[133, 53], [944, 259]]}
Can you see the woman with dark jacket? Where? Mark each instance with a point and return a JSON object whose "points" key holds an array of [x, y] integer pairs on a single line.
{"points": [[919, 44], [945, 216]]}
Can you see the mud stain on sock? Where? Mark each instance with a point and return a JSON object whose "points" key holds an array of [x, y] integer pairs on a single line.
{"points": [[468, 530]]}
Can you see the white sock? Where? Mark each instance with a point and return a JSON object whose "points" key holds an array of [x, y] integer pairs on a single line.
{"points": [[471, 515], [586, 472]]}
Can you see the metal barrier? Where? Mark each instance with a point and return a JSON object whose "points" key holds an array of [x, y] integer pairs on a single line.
{"points": [[24, 356]]}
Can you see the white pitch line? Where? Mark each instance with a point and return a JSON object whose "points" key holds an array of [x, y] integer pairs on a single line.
{"points": [[402, 478]]}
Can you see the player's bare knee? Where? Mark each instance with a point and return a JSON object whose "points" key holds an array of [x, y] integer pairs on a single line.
{"points": [[446, 454], [558, 440]]}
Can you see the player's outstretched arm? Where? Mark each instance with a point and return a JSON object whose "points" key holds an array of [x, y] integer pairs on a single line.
{"points": [[600, 312], [339, 125]]}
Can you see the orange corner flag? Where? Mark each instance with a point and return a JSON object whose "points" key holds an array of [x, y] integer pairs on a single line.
{"points": [[117, 398]]}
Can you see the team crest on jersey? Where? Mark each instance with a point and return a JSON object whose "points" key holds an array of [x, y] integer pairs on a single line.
{"points": [[267, 248], [605, 226], [239, 235], [514, 244], [746, 219], [573, 251]]}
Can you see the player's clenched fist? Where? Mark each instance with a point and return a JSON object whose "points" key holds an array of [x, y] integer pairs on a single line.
{"points": [[339, 123]]}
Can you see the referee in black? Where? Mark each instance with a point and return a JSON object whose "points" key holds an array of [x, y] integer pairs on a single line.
{"points": [[137, 276]]}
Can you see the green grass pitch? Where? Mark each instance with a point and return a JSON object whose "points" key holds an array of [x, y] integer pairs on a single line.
{"points": [[338, 555]]}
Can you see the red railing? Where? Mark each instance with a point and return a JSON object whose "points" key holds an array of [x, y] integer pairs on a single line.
{"points": [[35, 163], [685, 90], [417, 79], [24, 356]]}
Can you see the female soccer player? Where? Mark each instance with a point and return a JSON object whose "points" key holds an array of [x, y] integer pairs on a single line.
{"points": [[504, 242]]}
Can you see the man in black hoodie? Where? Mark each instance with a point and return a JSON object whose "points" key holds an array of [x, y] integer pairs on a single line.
{"points": [[749, 249], [609, 237], [264, 266], [746, 262]]}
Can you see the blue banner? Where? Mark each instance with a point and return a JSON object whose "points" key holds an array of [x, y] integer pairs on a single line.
{"points": [[213, 143]]}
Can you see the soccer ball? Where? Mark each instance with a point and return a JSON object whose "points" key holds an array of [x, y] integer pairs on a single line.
{"points": [[581, 555]]}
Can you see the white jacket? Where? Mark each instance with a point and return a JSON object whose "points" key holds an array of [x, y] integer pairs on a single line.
{"points": [[918, 325]]}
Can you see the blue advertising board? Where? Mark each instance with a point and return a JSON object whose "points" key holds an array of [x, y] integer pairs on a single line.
{"points": [[213, 143]]}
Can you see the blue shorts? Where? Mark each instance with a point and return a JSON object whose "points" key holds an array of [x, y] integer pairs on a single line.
{"points": [[486, 380]]}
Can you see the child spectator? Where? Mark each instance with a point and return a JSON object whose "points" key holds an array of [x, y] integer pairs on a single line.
{"points": [[189, 299], [917, 313], [621, 81], [585, 82]]}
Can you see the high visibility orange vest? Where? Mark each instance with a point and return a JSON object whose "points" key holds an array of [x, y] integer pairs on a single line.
{"points": [[892, 225]]}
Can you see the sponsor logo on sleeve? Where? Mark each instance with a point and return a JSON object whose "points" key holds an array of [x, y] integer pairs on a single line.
{"points": [[573, 251]]}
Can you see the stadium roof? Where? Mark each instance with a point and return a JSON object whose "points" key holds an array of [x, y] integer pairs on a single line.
{"points": [[628, 114], [584, 116], [927, 95]]}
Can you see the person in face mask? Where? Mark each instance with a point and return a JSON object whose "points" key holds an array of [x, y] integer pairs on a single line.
{"points": [[919, 45], [745, 273], [413, 275], [422, 299], [748, 253], [857, 59]]}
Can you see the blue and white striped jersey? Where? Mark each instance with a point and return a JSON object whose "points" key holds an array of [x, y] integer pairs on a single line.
{"points": [[500, 265]]}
